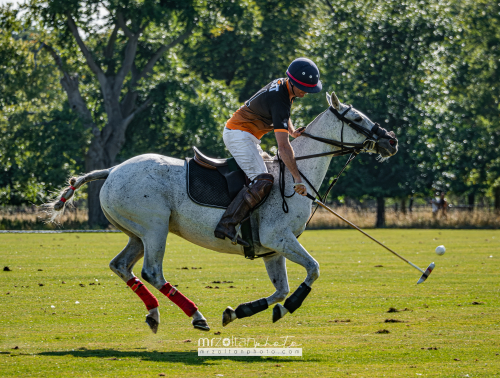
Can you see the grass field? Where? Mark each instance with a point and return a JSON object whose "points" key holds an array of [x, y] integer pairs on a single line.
{"points": [[92, 325]]}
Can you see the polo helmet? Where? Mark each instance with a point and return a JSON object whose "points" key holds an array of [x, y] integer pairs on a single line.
{"points": [[304, 74]]}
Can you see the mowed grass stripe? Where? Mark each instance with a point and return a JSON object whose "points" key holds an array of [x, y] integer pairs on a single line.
{"points": [[104, 335]]}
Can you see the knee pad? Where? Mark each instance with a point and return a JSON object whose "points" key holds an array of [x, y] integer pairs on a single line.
{"points": [[259, 189]]}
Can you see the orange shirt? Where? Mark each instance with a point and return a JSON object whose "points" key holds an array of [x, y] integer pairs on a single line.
{"points": [[265, 111]]}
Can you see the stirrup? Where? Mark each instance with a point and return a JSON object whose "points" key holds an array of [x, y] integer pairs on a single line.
{"points": [[239, 241], [234, 240]]}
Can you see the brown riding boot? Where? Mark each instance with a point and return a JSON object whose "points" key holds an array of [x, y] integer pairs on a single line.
{"points": [[246, 200]]}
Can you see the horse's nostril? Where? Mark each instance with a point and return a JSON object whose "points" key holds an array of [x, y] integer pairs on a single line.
{"points": [[392, 142]]}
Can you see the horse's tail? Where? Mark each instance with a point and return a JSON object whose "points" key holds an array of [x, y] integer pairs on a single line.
{"points": [[53, 208]]}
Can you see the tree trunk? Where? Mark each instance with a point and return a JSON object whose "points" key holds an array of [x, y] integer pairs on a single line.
{"points": [[403, 205], [96, 216], [497, 199], [471, 199], [380, 212], [95, 160], [102, 155]]}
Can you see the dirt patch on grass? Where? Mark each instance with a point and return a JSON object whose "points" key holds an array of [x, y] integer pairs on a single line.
{"points": [[393, 309], [393, 321], [340, 321]]}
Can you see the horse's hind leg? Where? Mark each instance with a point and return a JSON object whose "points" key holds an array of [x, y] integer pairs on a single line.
{"points": [[152, 272], [122, 265], [124, 262], [276, 269]]}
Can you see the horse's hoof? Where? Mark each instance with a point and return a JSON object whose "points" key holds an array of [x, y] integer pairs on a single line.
{"points": [[278, 312], [228, 316], [152, 323], [153, 319], [201, 324]]}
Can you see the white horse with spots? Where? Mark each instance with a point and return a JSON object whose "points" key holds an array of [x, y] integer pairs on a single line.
{"points": [[146, 198]]}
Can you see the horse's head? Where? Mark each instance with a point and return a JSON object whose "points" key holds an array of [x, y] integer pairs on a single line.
{"points": [[385, 144]]}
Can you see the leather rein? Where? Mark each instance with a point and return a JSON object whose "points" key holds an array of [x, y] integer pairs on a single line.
{"points": [[353, 149]]}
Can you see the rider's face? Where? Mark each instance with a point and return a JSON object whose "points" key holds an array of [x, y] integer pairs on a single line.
{"points": [[298, 92]]}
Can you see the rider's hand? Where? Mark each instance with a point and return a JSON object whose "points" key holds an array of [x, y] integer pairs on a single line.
{"points": [[298, 132], [300, 188]]}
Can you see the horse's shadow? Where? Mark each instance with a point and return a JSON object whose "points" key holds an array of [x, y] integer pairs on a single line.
{"points": [[187, 358]]}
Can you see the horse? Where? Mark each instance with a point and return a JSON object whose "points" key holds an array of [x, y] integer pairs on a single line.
{"points": [[146, 198]]}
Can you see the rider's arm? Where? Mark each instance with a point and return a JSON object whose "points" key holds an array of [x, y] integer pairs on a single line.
{"points": [[287, 155]]}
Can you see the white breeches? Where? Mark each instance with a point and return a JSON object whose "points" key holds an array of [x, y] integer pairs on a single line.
{"points": [[246, 150]]}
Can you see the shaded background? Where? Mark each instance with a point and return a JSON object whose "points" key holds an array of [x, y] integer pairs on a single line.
{"points": [[427, 70]]}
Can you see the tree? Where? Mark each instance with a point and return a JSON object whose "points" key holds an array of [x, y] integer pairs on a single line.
{"points": [[258, 42], [380, 56], [471, 163], [35, 153], [195, 118], [119, 42]]}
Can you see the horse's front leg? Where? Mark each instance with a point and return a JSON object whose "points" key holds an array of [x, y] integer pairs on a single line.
{"points": [[288, 245], [276, 269]]}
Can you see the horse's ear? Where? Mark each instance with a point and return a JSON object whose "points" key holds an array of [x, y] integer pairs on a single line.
{"points": [[328, 99], [334, 101]]}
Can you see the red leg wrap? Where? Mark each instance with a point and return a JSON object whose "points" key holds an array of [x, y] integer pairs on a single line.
{"points": [[143, 292], [179, 299]]}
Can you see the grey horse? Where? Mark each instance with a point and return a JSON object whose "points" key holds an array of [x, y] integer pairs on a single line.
{"points": [[146, 198]]}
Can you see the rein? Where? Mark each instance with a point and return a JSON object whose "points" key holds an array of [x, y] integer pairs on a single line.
{"points": [[353, 149], [322, 198]]}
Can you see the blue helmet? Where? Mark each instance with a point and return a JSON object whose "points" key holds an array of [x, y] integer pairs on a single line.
{"points": [[304, 74]]}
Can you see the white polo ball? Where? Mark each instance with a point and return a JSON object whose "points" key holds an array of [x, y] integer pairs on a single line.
{"points": [[440, 250]]}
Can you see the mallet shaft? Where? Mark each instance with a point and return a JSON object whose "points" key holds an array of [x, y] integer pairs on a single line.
{"points": [[364, 233]]}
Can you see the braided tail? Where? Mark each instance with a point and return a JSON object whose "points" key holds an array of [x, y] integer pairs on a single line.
{"points": [[53, 209]]}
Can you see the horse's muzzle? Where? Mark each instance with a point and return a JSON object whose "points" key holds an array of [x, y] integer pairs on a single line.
{"points": [[388, 146]]}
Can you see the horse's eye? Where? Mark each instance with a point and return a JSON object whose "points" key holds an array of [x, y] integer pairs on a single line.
{"points": [[358, 119]]}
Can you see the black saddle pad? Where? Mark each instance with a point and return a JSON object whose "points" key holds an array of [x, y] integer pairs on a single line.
{"points": [[217, 188], [214, 187]]}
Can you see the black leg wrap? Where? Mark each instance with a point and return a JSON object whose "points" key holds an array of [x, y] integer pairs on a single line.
{"points": [[295, 300], [251, 308]]}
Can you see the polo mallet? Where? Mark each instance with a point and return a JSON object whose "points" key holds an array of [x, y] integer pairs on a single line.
{"points": [[425, 273]]}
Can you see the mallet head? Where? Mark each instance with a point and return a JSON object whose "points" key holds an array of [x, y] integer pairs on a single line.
{"points": [[426, 274]]}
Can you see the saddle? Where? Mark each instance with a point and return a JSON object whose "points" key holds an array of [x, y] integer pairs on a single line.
{"points": [[208, 162], [215, 183]]}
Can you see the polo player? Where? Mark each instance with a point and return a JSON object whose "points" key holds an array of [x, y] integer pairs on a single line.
{"points": [[267, 110]]}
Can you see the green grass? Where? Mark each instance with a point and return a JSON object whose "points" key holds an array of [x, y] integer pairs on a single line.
{"points": [[105, 334]]}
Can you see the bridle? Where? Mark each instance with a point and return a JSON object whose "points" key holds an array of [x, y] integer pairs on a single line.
{"points": [[353, 149], [369, 144]]}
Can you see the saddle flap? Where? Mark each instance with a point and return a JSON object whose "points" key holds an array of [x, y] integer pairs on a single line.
{"points": [[208, 162]]}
